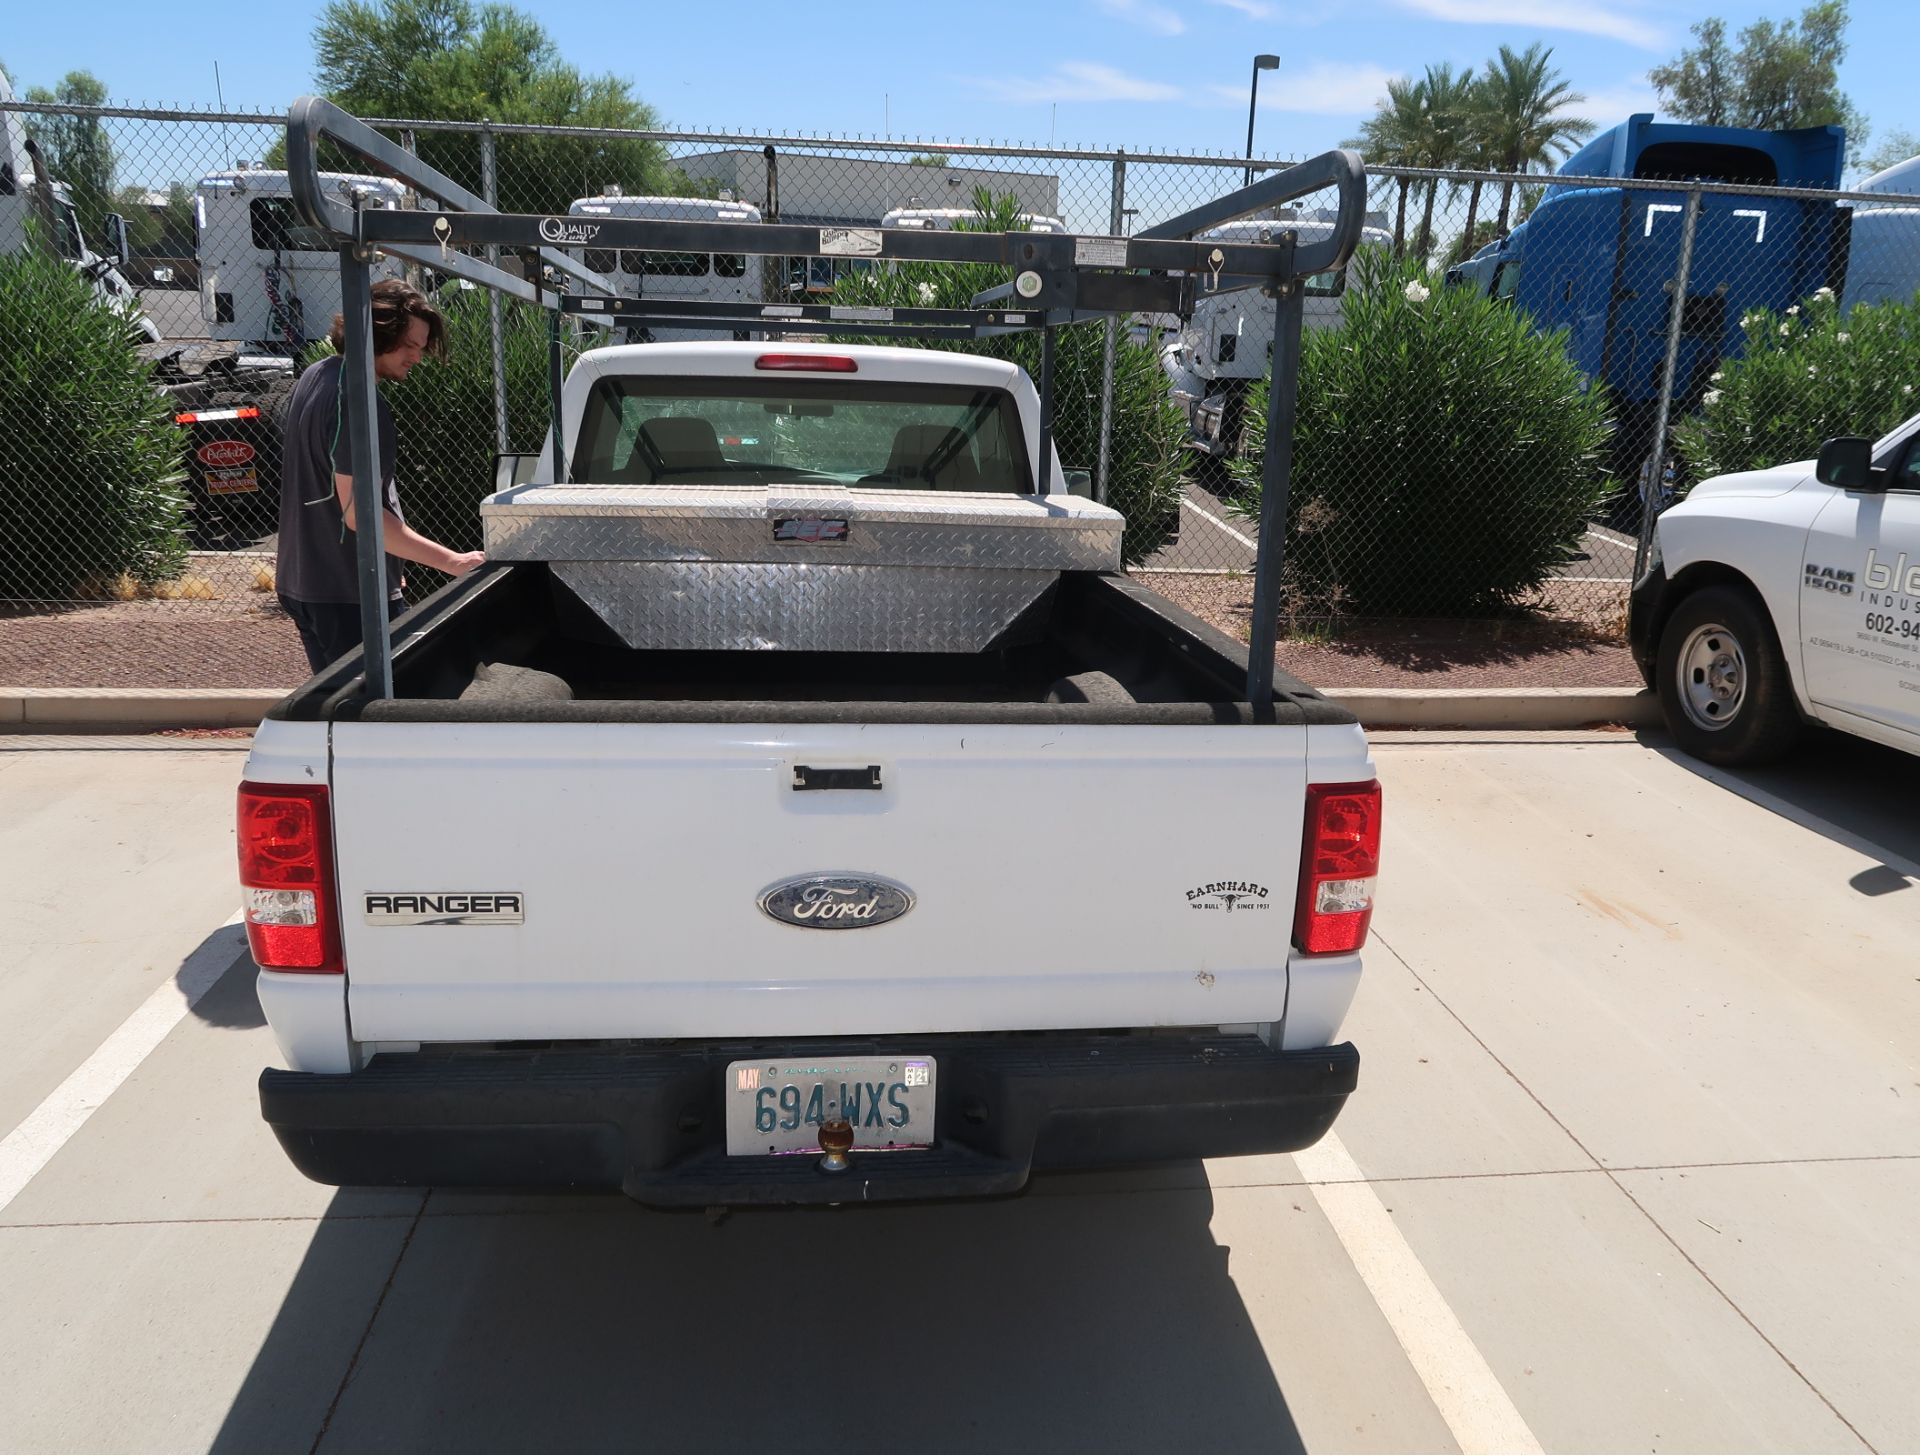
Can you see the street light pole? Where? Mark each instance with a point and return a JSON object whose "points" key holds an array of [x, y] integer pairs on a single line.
{"points": [[1260, 63]]}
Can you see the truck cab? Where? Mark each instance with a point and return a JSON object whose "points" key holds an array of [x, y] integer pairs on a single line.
{"points": [[1778, 597], [31, 197], [266, 278], [1597, 259], [1225, 348], [1883, 255], [687, 276]]}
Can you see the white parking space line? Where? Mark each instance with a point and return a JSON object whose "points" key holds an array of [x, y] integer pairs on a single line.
{"points": [[1463, 1388], [1619, 538], [50, 1125], [1219, 524]]}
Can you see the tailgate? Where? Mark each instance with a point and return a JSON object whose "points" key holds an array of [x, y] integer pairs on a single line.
{"points": [[1081, 876]]}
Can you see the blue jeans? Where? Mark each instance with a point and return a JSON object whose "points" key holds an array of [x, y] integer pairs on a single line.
{"points": [[330, 629]]}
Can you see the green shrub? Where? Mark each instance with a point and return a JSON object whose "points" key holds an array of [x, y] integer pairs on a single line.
{"points": [[1446, 457], [1146, 454], [1806, 375], [90, 457]]}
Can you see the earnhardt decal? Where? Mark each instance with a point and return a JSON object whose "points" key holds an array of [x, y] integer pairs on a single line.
{"points": [[1229, 895]]}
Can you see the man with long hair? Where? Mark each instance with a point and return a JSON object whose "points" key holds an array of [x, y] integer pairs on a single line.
{"points": [[317, 568]]}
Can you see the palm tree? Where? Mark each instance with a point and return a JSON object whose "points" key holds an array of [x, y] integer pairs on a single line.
{"points": [[1525, 100], [1391, 137], [1446, 98]]}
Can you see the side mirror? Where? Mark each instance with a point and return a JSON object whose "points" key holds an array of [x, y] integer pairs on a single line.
{"points": [[1079, 482], [1847, 464], [117, 238], [512, 470]]}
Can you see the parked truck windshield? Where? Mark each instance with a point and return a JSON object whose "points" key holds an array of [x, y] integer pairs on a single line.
{"points": [[713, 431]]}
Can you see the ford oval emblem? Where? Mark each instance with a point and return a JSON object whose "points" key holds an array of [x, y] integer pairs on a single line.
{"points": [[835, 901]]}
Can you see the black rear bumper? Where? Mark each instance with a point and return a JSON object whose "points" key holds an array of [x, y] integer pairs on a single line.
{"points": [[650, 1122]]}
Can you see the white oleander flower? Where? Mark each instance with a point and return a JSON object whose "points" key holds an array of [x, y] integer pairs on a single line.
{"points": [[1823, 295], [1786, 330], [1844, 336], [1748, 320], [1418, 292], [1812, 373], [1718, 375], [1712, 396], [1793, 310], [1906, 388], [926, 293]]}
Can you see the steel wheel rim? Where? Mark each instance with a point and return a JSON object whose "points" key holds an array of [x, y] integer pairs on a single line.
{"points": [[1712, 673]]}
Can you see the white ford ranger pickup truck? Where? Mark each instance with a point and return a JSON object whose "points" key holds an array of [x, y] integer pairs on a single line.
{"points": [[801, 806], [1775, 598]]}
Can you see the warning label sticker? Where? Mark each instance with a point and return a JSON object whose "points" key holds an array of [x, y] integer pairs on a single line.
{"points": [[1100, 252]]}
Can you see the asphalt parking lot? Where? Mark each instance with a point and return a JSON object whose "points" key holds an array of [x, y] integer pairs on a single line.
{"points": [[1632, 1167]]}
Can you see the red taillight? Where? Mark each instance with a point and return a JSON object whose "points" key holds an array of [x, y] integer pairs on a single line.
{"points": [[813, 363], [216, 416], [1339, 861], [286, 877]]}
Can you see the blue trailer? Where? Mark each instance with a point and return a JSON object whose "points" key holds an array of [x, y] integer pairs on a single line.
{"points": [[1599, 261]]}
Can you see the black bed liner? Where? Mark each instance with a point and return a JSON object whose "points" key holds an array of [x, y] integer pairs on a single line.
{"points": [[1179, 670]]}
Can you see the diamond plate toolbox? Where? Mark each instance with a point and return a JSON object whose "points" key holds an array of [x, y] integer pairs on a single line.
{"points": [[801, 568]]}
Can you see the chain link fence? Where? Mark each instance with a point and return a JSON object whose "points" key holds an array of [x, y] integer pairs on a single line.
{"points": [[1508, 372]]}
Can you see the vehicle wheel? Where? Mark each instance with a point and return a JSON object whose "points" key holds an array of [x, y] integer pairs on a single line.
{"points": [[1723, 684]]}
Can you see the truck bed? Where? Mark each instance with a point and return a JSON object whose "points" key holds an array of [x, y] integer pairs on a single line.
{"points": [[1115, 653]]}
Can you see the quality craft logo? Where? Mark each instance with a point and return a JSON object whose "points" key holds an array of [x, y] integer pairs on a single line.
{"points": [[567, 232]]}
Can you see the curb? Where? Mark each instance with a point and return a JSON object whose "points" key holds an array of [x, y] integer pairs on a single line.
{"points": [[1498, 707], [46, 708]]}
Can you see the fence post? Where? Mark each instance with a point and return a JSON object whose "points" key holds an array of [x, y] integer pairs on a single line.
{"points": [[490, 190], [1654, 471], [1115, 222], [1276, 486]]}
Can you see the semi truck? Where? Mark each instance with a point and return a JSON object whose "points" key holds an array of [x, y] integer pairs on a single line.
{"points": [[1226, 347], [34, 201], [678, 276], [1599, 259], [267, 281]]}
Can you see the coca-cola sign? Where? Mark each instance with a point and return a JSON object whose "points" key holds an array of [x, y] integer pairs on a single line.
{"points": [[225, 454], [835, 901]]}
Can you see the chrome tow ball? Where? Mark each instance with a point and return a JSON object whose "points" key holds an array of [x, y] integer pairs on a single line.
{"points": [[836, 1140]]}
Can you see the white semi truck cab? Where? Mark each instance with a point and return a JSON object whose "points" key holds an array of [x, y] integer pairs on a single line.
{"points": [[1774, 598]]}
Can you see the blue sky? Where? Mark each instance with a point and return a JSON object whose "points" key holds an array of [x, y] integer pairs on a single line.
{"points": [[1146, 74]]}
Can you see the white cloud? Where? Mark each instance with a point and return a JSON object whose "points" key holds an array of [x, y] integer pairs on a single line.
{"points": [[1588, 17], [1611, 105], [1080, 81], [1326, 88], [1147, 16], [1252, 9]]}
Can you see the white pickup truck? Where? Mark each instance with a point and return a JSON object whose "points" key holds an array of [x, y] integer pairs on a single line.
{"points": [[1778, 597], [801, 807]]}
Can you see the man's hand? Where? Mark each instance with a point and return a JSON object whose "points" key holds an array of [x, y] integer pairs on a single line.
{"points": [[461, 562]]}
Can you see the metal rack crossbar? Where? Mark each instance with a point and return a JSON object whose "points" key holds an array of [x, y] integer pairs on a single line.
{"points": [[1056, 279]]}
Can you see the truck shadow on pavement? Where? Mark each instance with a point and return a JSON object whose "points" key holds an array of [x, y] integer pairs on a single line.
{"points": [[1858, 794], [217, 980], [1060, 1323]]}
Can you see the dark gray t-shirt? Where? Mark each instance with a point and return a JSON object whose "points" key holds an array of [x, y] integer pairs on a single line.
{"points": [[316, 559]]}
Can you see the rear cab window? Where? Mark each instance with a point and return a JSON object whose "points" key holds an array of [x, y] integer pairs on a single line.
{"points": [[727, 431]]}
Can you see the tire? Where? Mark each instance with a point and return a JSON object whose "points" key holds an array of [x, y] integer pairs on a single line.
{"points": [[1723, 684]]}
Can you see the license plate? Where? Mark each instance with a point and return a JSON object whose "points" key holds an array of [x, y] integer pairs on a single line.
{"points": [[776, 1107]]}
